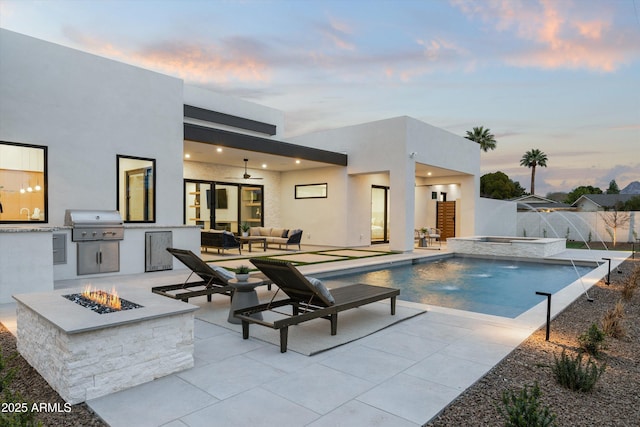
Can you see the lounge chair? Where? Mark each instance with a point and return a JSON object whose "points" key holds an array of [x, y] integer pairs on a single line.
{"points": [[215, 280], [434, 233], [308, 298]]}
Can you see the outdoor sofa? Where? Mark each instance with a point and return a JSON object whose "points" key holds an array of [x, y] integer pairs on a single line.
{"points": [[278, 236], [219, 240], [308, 299]]}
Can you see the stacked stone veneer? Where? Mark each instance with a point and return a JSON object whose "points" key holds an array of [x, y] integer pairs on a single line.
{"points": [[90, 364], [502, 246]]}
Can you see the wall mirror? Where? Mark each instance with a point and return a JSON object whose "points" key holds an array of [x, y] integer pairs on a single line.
{"points": [[136, 189], [23, 183]]}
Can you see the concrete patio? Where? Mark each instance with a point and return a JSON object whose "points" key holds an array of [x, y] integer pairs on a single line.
{"points": [[401, 376]]}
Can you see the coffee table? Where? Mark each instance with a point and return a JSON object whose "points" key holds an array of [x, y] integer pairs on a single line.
{"points": [[252, 239], [244, 296]]}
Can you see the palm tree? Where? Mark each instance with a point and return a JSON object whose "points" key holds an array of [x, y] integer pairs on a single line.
{"points": [[484, 137], [531, 159]]}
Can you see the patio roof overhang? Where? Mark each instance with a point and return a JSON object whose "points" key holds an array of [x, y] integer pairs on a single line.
{"points": [[223, 138]]}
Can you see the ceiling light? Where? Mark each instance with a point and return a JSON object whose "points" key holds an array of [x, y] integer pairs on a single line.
{"points": [[297, 162], [428, 173], [264, 166], [187, 156], [219, 150]]}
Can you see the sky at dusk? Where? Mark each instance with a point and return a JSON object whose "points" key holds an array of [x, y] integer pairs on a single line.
{"points": [[556, 75]]}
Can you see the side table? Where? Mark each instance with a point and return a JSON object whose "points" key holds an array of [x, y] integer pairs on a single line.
{"points": [[244, 295]]}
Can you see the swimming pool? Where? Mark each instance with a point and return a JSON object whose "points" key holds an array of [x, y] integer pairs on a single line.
{"points": [[490, 286]]}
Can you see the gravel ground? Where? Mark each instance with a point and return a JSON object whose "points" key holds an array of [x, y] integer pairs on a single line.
{"points": [[615, 401]]}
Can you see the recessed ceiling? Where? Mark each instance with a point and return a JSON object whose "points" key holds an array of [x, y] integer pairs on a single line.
{"points": [[428, 171], [207, 153]]}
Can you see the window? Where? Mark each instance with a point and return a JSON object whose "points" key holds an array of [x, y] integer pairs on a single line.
{"points": [[311, 191], [136, 189], [23, 183]]}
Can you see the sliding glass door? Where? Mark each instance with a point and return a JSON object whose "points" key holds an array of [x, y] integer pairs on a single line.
{"points": [[223, 206]]}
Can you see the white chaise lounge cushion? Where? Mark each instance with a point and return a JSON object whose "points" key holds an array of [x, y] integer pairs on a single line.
{"points": [[321, 288], [223, 272]]}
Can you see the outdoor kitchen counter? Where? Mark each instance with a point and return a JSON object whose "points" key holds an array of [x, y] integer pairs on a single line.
{"points": [[30, 228]]}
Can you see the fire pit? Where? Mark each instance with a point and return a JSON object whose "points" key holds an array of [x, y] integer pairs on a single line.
{"points": [[101, 301], [84, 355]]}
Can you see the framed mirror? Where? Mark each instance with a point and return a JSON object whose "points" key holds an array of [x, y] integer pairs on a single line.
{"points": [[136, 188]]}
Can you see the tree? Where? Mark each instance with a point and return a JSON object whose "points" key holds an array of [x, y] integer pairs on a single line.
{"points": [[581, 191], [498, 186], [531, 159], [484, 137], [558, 196], [615, 219], [633, 204], [613, 187]]}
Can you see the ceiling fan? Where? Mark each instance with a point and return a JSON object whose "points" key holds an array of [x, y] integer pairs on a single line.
{"points": [[246, 174]]}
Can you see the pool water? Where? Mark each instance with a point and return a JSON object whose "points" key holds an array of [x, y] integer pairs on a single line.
{"points": [[497, 287]]}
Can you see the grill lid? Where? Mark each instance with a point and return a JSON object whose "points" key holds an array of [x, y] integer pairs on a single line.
{"points": [[92, 218]]}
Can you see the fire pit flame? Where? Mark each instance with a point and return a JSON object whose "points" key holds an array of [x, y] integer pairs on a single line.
{"points": [[100, 301], [111, 300]]}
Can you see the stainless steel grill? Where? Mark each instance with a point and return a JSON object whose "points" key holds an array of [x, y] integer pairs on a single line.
{"points": [[98, 235], [91, 225]]}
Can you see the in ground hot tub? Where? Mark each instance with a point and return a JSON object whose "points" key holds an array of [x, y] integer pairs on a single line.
{"points": [[84, 354], [517, 247]]}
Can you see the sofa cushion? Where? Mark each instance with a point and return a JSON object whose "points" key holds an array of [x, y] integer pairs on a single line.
{"points": [[276, 232], [254, 231], [321, 289], [264, 231]]}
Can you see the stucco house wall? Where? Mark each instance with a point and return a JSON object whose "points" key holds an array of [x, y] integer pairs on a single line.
{"points": [[87, 110], [384, 147]]}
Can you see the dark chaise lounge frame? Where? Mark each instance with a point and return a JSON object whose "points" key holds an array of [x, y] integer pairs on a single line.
{"points": [[212, 282], [306, 302]]}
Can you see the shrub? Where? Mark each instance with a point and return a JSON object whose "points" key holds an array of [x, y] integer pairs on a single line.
{"points": [[631, 284], [10, 400], [243, 269], [523, 409], [592, 341], [612, 321], [572, 374]]}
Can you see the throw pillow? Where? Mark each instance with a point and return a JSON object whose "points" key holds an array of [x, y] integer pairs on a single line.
{"points": [[321, 289], [285, 233], [223, 272]]}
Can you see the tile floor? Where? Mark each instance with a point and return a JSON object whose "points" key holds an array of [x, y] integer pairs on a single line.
{"points": [[401, 376]]}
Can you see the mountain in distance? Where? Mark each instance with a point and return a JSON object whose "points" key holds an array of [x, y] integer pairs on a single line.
{"points": [[632, 188]]}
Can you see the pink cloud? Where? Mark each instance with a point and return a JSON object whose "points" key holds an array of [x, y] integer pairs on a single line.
{"points": [[560, 34], [236, 60], [205, 64]]}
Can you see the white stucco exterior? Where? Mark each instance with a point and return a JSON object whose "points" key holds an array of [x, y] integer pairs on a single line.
{"points": [[87, 110], [382, 151]]}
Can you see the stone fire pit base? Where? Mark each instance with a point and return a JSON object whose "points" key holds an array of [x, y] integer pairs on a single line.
{"points": [[84, 355]]}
